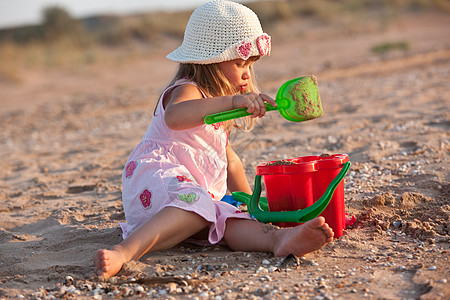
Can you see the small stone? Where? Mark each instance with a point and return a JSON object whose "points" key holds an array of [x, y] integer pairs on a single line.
{"points": [[262, 270], [443, 280], [162, 292], [69, 280], [272, 269], [113, 280], [126, 291], [265, 278], [138, 289], [266, 262], [433, 268], [172, 287]]}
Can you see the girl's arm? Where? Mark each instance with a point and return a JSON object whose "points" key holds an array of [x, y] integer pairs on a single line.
{"points": [[236, 180], [186, 108]]}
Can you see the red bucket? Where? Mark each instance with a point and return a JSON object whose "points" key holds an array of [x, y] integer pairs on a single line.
{"points": [[297, 183]]}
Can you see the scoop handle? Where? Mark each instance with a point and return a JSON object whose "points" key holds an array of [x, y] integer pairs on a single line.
{"points": [[232, 114]]}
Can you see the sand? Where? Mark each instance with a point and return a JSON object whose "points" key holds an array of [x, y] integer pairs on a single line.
{"points": [[65, 137]]}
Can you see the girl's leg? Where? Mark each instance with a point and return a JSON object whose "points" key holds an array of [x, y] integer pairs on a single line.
{"points": [[248, 235], [164, 230]]}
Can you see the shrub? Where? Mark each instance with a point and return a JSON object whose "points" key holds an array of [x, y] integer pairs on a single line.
{"points": [[58, 24]]}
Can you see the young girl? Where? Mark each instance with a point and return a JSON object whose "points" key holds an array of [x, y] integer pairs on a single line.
{"points": [[175, 178]]}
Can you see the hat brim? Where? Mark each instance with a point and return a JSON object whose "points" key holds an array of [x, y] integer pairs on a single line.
{"points": [[243, 50]]}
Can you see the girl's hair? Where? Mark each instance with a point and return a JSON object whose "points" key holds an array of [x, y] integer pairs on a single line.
{"points": [[211, 80]]}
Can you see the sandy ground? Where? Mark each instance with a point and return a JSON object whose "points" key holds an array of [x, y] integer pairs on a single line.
{"points": [[66, 134]]}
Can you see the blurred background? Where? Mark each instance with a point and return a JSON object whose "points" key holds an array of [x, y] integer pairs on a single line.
{"points": [[47, 33], [68, 41], [61, 54], [24, 12]]}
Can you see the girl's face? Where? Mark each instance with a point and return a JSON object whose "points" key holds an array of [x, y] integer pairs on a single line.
{"points": [[237, 72]]}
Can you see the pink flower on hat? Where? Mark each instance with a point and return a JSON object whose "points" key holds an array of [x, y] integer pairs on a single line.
{"points": [[129, 169], [263, 44], [244, 50], [145, 198]]}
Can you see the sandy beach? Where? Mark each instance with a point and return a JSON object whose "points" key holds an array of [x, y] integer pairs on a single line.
{"points": [[66, 134]]}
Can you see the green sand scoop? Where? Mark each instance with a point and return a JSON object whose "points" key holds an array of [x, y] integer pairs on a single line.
{"points": [[297, 100], [258, 206]]}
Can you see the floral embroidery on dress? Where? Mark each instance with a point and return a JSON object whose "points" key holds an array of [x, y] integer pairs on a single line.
{"points": [[217, 125], [188, 198], [182, 178], [145, 198], [129, 169]]}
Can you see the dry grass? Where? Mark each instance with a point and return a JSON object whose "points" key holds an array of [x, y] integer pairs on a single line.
{"points": [[86, 45], [390, 46]]}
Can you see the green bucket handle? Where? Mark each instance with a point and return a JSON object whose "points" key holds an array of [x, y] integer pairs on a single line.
{"points": [[258, 206]]}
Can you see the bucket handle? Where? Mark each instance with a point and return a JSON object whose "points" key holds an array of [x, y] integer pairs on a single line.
{"points": [[301, 215]]}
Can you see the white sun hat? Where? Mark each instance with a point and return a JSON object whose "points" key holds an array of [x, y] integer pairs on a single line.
{"points": [[220, 31]]}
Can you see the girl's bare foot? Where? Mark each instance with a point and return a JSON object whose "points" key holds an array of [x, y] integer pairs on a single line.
{"points": [[108, 262], [300, 240]]}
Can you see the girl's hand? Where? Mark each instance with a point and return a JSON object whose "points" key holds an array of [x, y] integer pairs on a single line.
{"points": [[254, 102]]}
